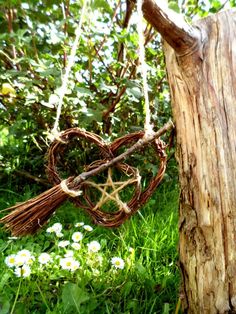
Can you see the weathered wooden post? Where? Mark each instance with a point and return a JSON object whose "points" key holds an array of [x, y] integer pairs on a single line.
{"points": [[201, 67]]}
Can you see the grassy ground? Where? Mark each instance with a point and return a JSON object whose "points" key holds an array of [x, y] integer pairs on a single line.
{"points": [[148, 282]]}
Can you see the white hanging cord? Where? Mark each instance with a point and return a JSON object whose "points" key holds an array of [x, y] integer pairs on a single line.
{"points": [[147, 125], [55, 133]]}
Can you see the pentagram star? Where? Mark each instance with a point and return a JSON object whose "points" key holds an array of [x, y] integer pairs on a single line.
{"points": [[113, 195]]}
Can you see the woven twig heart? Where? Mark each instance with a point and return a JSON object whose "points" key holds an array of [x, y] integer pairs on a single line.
{"points": [[105, 153]]}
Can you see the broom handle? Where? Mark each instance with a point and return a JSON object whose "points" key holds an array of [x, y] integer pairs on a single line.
{"points": [[147, 138]]}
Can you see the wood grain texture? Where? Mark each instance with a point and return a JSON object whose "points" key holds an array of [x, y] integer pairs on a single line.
{"points": [[181, 36], [203, 90]]}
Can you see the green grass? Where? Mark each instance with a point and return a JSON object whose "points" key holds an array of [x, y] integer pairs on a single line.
{"points": [[148, 283]]}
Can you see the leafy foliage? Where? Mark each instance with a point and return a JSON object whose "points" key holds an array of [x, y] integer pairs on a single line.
{"points": [[105, 91], [199, 9]]}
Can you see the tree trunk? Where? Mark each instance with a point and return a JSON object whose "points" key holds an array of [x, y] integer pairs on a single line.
{"points": [[201, 66], [203, 89]]}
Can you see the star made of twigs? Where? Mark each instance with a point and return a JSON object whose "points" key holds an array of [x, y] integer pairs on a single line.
{"points": [[114, 194]]}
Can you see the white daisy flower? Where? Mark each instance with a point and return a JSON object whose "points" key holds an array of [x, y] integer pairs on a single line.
{"points": [[88, 228], [77, 236], [79, 224], [23, 271], [69, 263], [94, 246], [57, 227], [49, 230], [20, 261], [59, 234], [44, 258], [76, 246], [118, 262], [63, 243], [75, 265], [66, 262], [24, 257], [10, 260]]}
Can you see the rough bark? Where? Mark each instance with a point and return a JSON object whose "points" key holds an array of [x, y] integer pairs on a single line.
{"points": [[203, 89], [181, 36]]}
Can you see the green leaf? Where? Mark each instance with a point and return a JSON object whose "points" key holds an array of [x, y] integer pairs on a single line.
{"points": [[4, 305], [174, 6], [141, 270], [103, 5], [4, 280], [132, 83], [108, 88], [127, 288], [166, 309], [83, 91], [72, 297], [46, 245], [135, 92]]}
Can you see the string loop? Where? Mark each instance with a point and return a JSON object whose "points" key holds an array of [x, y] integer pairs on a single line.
{"points": [[65, 189], [65, 78], [147, 126]]}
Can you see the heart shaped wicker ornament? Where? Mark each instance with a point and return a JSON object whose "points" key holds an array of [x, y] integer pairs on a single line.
{"points": [[93, 195], [109, 190]]}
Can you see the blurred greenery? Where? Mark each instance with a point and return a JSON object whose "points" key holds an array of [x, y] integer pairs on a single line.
{"points": [[105, 88]]}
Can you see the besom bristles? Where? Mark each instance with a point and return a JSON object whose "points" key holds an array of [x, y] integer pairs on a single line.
{"points": [[27, 217]]}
